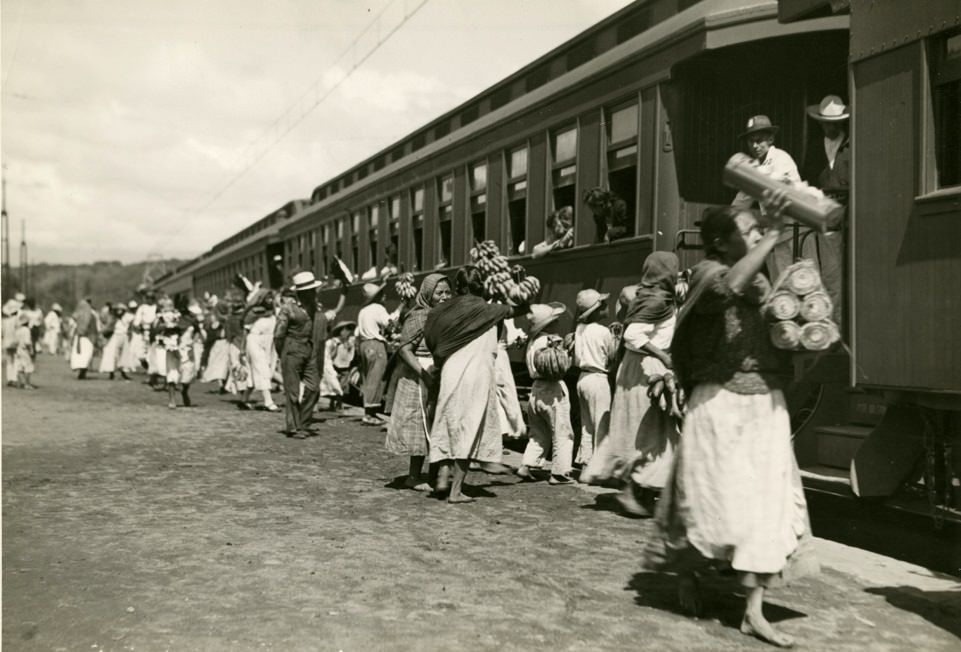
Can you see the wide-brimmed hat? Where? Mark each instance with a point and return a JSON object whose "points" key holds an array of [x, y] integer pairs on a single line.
{"points": [[341, 325], [304, 281], [56, 307], [132, 304], [759, 123], [831, 109], [542, 314], [588, 301], [372, 291]]}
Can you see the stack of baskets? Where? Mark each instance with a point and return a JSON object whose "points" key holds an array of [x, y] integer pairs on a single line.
{"points": [[801, 310]]}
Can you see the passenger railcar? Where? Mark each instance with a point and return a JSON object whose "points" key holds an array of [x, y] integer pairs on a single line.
{"points": [[649, 103]]}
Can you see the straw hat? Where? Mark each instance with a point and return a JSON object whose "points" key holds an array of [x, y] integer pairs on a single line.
{"points": [[341, 325], [11, 307], [759, 123], [542, 314], [831, 109], [305, 281], [372, 291], [56, 307], [589, 301], [132, 304]]}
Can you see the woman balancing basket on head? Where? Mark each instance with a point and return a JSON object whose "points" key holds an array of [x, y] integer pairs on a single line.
{"points": [[734, 496]]}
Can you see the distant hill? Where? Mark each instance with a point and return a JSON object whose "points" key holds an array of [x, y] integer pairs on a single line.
{"points": [[101, 281]]}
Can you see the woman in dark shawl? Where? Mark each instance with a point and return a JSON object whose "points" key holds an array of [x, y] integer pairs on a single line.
{"points": [[407, 430], [461, 335], [641, 439], [85, 333]]}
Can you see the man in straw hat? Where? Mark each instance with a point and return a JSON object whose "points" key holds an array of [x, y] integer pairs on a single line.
{"points": [[758, 142], [372, 322], [299, 338], [830, 167], [549, 409], [595, 348]]}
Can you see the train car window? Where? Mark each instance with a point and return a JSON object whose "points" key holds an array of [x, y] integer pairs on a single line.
{"points": [[517, 200], [393, 217], [312, 250], [373, 224], [478, 201], [564, 176], [417, 225], [355, 240], [622, 165], [445, 214], [945, 58]]}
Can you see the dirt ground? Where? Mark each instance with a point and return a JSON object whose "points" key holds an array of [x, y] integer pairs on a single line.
{"points": [[128, 526]]}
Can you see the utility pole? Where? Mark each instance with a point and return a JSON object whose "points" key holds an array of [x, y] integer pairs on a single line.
{"points": [[24, 264], [6, 239]]}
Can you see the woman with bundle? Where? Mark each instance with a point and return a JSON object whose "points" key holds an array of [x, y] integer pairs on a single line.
{"points": [[461, 335], [407, 432], [84, 334], [642, 438], [735, 493]]}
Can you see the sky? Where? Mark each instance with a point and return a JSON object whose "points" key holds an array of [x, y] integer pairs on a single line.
{"points": [[127, 125]]}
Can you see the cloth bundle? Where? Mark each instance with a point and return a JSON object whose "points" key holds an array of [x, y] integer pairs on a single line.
{"points": [[801, 310]]}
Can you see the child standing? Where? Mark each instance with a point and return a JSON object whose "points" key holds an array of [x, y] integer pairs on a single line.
{"points": [[23, 361], [549, 410], [594, 350], [338, 361]]}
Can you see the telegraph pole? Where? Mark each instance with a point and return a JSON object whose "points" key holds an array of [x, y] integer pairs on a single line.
{"points": [[24, 264], [6, 239]]}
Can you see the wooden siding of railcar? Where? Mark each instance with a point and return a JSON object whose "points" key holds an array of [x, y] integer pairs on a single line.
{"points": [[907, 259]]}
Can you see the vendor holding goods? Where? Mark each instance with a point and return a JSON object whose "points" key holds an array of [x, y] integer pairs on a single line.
{"points": [[735, 492]]}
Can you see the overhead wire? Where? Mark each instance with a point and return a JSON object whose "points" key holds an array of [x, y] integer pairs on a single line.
{"points": [[257, 157]]}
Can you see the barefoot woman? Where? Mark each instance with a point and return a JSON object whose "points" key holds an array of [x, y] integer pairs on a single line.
{"points": [[735, 496]]}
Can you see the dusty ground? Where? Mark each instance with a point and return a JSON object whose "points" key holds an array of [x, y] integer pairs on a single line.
{"points": [[127, 526]]}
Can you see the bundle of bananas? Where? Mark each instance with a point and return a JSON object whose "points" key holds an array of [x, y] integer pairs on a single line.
{"points": [[501, 281], [405, 286]]}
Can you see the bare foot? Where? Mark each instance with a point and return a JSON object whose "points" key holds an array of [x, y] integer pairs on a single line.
{"points": [[453, 500], [759, 627], [689, 594], [525, 474]]}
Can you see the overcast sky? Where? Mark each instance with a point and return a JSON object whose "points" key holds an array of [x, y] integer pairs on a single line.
{"points": [[122, 119]]}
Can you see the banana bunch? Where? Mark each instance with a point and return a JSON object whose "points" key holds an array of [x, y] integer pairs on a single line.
{"points": [[503, 282], [405, 286]]}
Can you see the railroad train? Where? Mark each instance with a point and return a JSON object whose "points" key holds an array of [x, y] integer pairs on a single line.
{"points": [[648, 103]]}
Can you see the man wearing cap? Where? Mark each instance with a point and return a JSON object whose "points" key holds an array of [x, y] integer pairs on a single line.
{"points": [[299, 339], [594, 350], [372, 322], [830, 169], [758, 139], [52, 329]]}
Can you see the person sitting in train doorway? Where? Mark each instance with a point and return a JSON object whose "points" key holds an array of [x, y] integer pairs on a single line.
{"points": [[830, 169], [560, 232], [758, 143], [372, 322]]}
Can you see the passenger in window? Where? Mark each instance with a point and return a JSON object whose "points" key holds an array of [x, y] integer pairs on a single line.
{"points": [[390, 264], [831, 168], [758, 140], [610, 214], [560, 232]]}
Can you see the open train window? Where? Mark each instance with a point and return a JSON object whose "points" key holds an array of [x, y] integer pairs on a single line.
{"points": [[478, 201], [355, 240], [373, 224], [517, 199], [944, 54], [417, 226], [312, 250], [622, 163], [445, 214], [564, 167], [393, 217]]}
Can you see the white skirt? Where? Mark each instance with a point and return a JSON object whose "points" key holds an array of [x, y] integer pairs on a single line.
{"points": [[81, 353], [218, 362], [110, 356]]}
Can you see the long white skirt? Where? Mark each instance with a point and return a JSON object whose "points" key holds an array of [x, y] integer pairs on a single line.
{"points": [[218, 362], [179, 366], [259, 361], [110, 356], [81, 353], [509, 411], [466, 425], [736, 493], [51, 339]]}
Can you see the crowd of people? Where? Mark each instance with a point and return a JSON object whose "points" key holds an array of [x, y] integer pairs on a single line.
{"points": [[678, 401]]}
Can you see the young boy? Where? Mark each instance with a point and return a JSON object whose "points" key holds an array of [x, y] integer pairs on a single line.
{"points": [[595, 348], [549, 410], [338, 360]]}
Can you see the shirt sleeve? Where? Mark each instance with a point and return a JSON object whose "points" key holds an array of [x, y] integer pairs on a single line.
{"points": [[637, 335]]}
